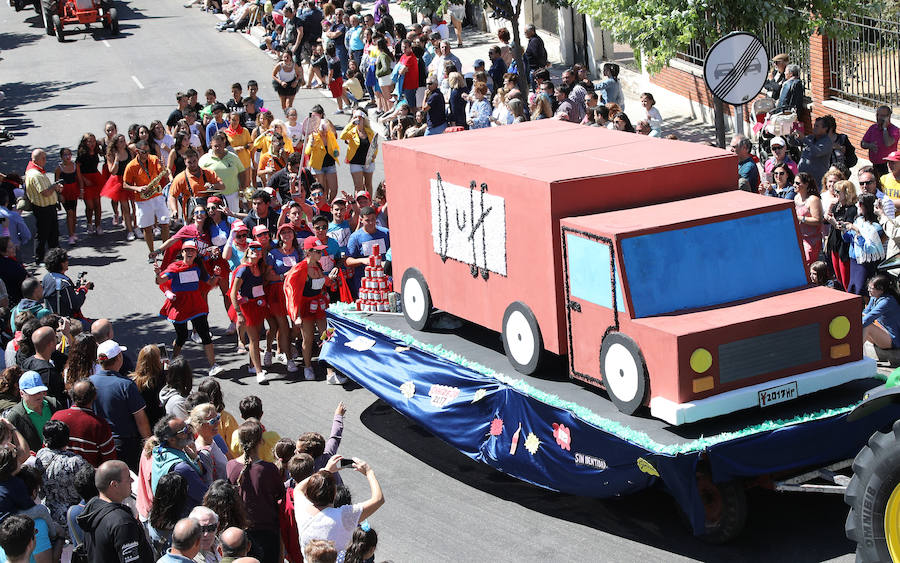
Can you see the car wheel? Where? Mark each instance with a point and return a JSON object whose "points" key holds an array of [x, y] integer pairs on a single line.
{"points": [[624, 372], [416, 299], [522, 339]]}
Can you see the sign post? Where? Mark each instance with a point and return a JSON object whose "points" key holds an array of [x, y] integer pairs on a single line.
{"points": [[735, 71]]}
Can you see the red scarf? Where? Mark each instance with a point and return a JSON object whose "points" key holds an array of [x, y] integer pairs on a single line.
{"points": [[232, 132], [33, 166]]}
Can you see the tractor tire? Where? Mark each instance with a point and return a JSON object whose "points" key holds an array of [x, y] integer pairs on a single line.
{"points": [[57, 26], [113, 21], [874, 499], [726, 509]]}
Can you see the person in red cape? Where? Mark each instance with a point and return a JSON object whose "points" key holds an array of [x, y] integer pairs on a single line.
{"points": [[249, 308], [185, 284], [281, 259], [306, 300]]}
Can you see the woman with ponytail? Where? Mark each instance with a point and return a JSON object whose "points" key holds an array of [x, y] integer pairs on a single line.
{"points": [[261, 487]]}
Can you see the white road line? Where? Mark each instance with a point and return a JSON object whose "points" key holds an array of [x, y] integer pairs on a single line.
{"points": [[105, 42], [138, 82]]}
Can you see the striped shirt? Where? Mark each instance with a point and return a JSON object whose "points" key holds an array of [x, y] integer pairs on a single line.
{"points": [[89, 434]]}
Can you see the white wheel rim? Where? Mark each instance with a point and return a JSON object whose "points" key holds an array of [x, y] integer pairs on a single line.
{"points": [[621, 371], [414, 299], [519, 338]]}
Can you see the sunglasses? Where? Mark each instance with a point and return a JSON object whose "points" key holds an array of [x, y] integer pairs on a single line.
{"points": [[209, 528], [866, 182], [777, 148], [199, 212], [320, 227], [214, 420], [243, 235], [780, 173]]}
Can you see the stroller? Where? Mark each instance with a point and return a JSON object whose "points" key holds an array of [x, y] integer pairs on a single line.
{"points": [[770, 125]]}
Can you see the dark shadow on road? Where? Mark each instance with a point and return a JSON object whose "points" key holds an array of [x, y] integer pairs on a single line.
{"points": [[24, 93], [780, 526], [9, 41]]}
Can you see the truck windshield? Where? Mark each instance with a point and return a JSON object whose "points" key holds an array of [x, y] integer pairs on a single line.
{"points": [[712, 264]]}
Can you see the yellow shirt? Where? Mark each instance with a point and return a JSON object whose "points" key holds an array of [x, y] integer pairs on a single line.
{"points": [[227, 426], [240, 142], [262, 143], [891, 187], [269, 439], [35, 183]]}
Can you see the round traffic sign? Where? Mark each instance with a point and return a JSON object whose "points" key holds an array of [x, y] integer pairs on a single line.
{"points": [[735, 68]]}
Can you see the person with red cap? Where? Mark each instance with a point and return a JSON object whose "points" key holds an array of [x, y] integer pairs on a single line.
{"points": [[236, 245], [890, 182], [281, 259], [306, 301], [185, 283], [249, 307]]}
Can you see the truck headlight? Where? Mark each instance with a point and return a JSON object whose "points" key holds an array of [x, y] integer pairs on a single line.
{"points": [[701, 360], [839, 327]]}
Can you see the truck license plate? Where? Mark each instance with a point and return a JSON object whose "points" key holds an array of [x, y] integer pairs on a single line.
{"points": [[778, 394]]}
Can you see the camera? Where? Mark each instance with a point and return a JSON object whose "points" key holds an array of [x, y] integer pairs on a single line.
{"points": [[81, 281]]}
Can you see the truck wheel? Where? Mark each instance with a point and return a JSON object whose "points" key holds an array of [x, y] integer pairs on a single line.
{"points": [[725, 505], [874, 498], [624, 372], [57, 26], [416, 299], [522, 339]]}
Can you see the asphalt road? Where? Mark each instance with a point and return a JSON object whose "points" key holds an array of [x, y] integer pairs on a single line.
{"points": [[441, 506]]}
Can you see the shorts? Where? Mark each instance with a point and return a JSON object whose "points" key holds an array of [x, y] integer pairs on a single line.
{"points": [[70, 204], [458, 11], [313, 308], [337, 87], [327, 170], [368, 168], [152, 211], [255, 312]]}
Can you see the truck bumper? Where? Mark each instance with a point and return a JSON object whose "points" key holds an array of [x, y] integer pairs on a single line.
{"points": [[748, 397]]}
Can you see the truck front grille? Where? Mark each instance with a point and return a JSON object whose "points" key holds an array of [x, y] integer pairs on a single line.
{"points": [[768, 353]]}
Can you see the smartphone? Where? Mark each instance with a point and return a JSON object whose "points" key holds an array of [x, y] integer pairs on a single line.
{"points": [[346, 462], [163, 351]]}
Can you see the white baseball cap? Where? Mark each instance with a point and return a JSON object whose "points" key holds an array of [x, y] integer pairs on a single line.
{"points": [[108, 350]]}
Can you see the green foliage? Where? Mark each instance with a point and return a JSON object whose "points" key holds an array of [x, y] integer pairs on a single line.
{"points": [[662, 27]]}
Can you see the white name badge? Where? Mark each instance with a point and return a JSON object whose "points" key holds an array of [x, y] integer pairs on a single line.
{"points": [[318, 283], [369, 246], [289, 261], [219, 240], [190, 276], [258, 291]]}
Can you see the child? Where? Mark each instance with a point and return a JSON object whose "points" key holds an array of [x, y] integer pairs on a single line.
{"points": [[653, 115], [362, 544], [299, 467], [252, 89], [236, 103], [353, 86], [314, 444], [318, 67], [251, 407], [66, 173], [335, 80]]}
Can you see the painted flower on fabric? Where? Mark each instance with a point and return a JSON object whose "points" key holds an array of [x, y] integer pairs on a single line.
{"points": [[408, 389], [563, 436], [532, 443], [479, 395], [327, 334], [496, 427]]}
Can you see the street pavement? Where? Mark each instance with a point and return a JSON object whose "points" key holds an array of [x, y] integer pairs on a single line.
{"points": [[440, 505]]}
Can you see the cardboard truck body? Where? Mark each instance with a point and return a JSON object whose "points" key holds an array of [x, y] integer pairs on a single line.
{"points": [[476, 232]]}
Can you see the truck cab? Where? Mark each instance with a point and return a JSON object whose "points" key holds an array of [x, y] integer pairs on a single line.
{"points": [[702, 307]]}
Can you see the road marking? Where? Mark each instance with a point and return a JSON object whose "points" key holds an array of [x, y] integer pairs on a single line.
{"points": [[138, 82], [105, 42]]}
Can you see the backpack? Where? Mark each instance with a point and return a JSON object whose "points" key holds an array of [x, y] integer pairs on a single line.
{"points": [[850, 158]]}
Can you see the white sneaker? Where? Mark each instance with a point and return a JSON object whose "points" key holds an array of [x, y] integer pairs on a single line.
{"points": [[139, 233], [308, 374], [196, 337], [281, 358], [334, 378], [130, 236], [156, 231], [215, 370], [261, 378], [231, 329], [292, 367], [267, 358]]}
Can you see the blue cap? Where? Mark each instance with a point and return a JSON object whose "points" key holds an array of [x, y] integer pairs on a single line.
{"points": [[31, 383], [478, 62]]}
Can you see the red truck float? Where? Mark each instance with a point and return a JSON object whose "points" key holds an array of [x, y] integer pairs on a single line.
{"points": [[633, 256]]}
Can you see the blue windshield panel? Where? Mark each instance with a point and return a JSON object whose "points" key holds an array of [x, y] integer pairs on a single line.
{"points": [[713, 264]]}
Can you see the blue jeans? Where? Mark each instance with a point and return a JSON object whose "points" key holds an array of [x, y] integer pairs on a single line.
{"points": [[436, 130], [410, 96]]}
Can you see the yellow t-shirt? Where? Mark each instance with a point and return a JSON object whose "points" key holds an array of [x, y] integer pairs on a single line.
{"points": [[269, 440], [891, 187]]}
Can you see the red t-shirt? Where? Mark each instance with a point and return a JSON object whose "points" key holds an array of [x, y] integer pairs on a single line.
{"points": [[411, 78]]}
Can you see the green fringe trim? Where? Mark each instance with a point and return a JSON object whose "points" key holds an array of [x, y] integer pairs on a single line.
{"points": [[613, 427]]}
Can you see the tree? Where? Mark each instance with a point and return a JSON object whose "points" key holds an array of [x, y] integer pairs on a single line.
{"points": [[510, 10], [660, 28]]}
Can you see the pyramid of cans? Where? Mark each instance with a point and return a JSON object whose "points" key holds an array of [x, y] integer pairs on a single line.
{"points": [[373, 292]]}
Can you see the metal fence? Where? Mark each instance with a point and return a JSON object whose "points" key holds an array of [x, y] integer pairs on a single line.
{"points": [[865, 63], [695, 53]]}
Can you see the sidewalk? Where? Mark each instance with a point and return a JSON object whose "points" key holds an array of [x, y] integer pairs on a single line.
{"points": [[476, 44]]}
